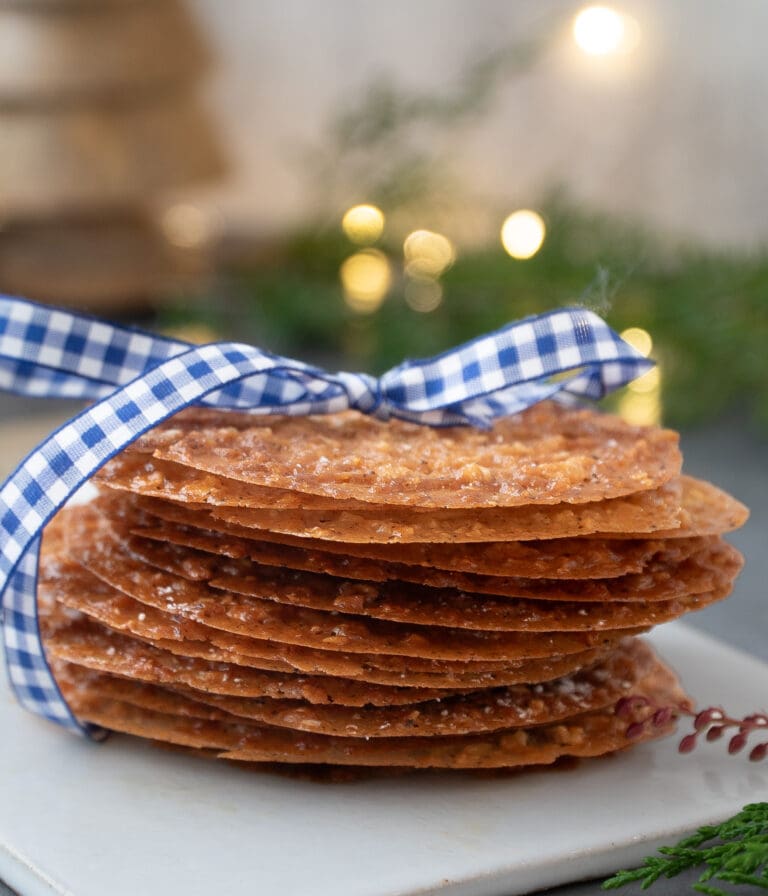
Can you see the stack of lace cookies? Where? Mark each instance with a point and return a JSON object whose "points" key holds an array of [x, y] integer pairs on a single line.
{"points": [[341, 591]]}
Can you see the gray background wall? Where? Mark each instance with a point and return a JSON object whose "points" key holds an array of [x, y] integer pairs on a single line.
{"points": [[676, 133]]}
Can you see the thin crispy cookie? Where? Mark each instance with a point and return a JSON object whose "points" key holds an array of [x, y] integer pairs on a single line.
{"points": [[545, 455], [79, 591], [92, 646], [591, 734], [687, 508], [197, 557], [644, 512], [91, 544], [558, 558], [155, 478], [706, 510], [499, 708], [120, 613]]}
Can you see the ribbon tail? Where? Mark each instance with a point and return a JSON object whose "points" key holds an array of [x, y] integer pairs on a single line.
{"points": [[57, 468]]}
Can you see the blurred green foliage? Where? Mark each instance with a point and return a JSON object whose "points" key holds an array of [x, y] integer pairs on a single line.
{"points": [[707, 312]]}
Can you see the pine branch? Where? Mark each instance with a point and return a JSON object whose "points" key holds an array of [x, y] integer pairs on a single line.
{"points": [[734, 852]]}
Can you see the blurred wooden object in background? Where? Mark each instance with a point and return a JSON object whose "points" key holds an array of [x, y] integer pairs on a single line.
{"points": [[99, 122], [100, 263]]}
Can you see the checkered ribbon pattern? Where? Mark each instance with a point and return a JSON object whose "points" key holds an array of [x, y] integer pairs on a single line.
{"points": [[134, 380]]}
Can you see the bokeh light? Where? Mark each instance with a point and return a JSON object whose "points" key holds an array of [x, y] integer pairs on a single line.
{"points": [[603, 31], [366, 277], [522, 234], [641, 409], [639, 339], [186, 226], [641, 403], [648, 382], [423, 295], [363, 224], [427, 254], [197, 333]]}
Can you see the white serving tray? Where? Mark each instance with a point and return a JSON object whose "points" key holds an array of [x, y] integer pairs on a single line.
{"points": [[124, 818]]}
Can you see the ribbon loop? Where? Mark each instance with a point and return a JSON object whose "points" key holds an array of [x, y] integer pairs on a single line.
{"points": [[137, 380]]}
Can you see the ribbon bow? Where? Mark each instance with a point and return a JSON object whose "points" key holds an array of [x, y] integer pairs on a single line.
{"points": [[136, 380]]}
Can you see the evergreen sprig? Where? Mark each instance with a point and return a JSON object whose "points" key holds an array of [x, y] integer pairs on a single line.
{"points": [[734, 852]]}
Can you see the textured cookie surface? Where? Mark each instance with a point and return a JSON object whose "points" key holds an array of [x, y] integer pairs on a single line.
{"points": [[546, 455], [108, 560], [589, 734], [557, 558], [200, 557], [489, 710], [81, 592], [644, 512], [685, 508]]}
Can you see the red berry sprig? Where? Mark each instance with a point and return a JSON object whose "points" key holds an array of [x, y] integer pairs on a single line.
{"points": [[711, 723]]}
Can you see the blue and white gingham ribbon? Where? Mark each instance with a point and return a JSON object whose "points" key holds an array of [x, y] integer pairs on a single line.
{"points": [[137, 380]]}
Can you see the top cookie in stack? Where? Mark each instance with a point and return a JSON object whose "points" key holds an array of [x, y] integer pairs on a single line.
{"points": [[339, 590]]}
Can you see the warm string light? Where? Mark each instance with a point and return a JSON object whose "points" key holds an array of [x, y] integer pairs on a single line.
{"points": [[196, 333], [427, 254], [641, 403], [522, 233], [639, 339], [363, 224], [366, 277], [641, 409], [604, 31], [647, 383], [423, 295]]}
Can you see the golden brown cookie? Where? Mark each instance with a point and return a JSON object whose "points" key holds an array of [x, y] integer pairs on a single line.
{"points": [[644, 512], [79, 591], [85, 643], [545, 455], [590, 734], [488, 710], [557, 558], [91, 545], [713, 566]]}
